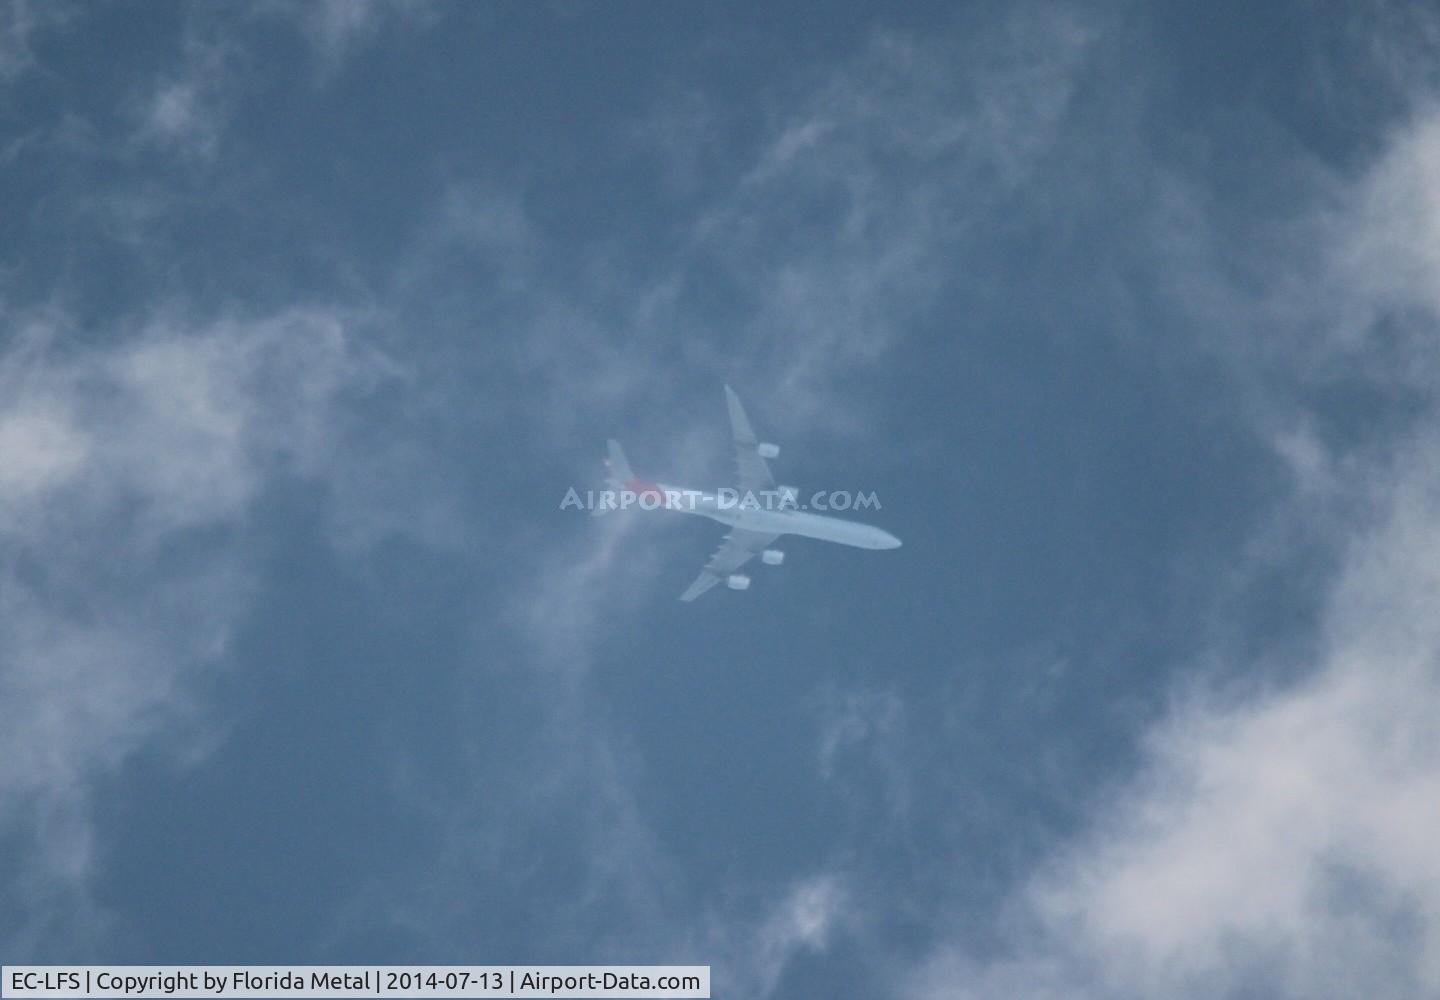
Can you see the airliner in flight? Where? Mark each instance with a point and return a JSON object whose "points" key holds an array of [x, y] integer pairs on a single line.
{"points": [[754, 526]]}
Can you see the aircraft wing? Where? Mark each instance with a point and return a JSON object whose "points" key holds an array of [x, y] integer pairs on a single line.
{"points": [[738, 548], [753, 475]]}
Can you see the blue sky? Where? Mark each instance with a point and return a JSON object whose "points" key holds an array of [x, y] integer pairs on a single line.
{"points": [[1128, 313]]}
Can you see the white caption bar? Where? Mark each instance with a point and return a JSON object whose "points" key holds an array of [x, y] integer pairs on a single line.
{"points": [[167, 981]]}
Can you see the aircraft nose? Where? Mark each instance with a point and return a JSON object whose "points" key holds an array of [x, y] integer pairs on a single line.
{"points": [[888, 541]]}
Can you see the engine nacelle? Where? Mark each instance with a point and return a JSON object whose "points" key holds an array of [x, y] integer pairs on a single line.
{"points": [[772, 557], [768, 450], [737, 581]]}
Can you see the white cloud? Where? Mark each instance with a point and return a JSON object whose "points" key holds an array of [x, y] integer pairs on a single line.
{"points": [[833, 230], [179, 114], [801, 918], [854, 719], [168, 438], [844, 227], [862, 757], [336, 29], [20, 22], [117, 457], [1390, 241], [1283, 842], [41, 449], [186, 111], [1280, 840]]}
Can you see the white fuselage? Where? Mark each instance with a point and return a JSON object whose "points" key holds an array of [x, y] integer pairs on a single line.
{"points": [[780, 521]]}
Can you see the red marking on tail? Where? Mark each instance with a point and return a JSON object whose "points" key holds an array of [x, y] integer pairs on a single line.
{"points": [[646, 490]]}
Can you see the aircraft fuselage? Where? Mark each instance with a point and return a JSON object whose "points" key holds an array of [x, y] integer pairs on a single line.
{"points": [[782, 521]]}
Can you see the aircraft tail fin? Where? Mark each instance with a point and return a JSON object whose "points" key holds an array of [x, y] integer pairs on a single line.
{"points": [[618, 465], [618, 473]]}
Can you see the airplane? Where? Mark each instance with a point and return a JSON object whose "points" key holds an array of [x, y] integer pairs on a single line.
{"points": [[753, 527]]}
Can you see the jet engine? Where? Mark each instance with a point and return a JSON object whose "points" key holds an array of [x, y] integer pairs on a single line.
{"points": [[772, 557], [737, 581], [768, 450]]}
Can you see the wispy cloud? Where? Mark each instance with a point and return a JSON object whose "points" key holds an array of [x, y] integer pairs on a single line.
{"points": [[131, 474], [841, 231], [831, 230], [21, 21], [751, 951], [1276, 838], [186, 111], [1277, 842], [336, 30]]}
